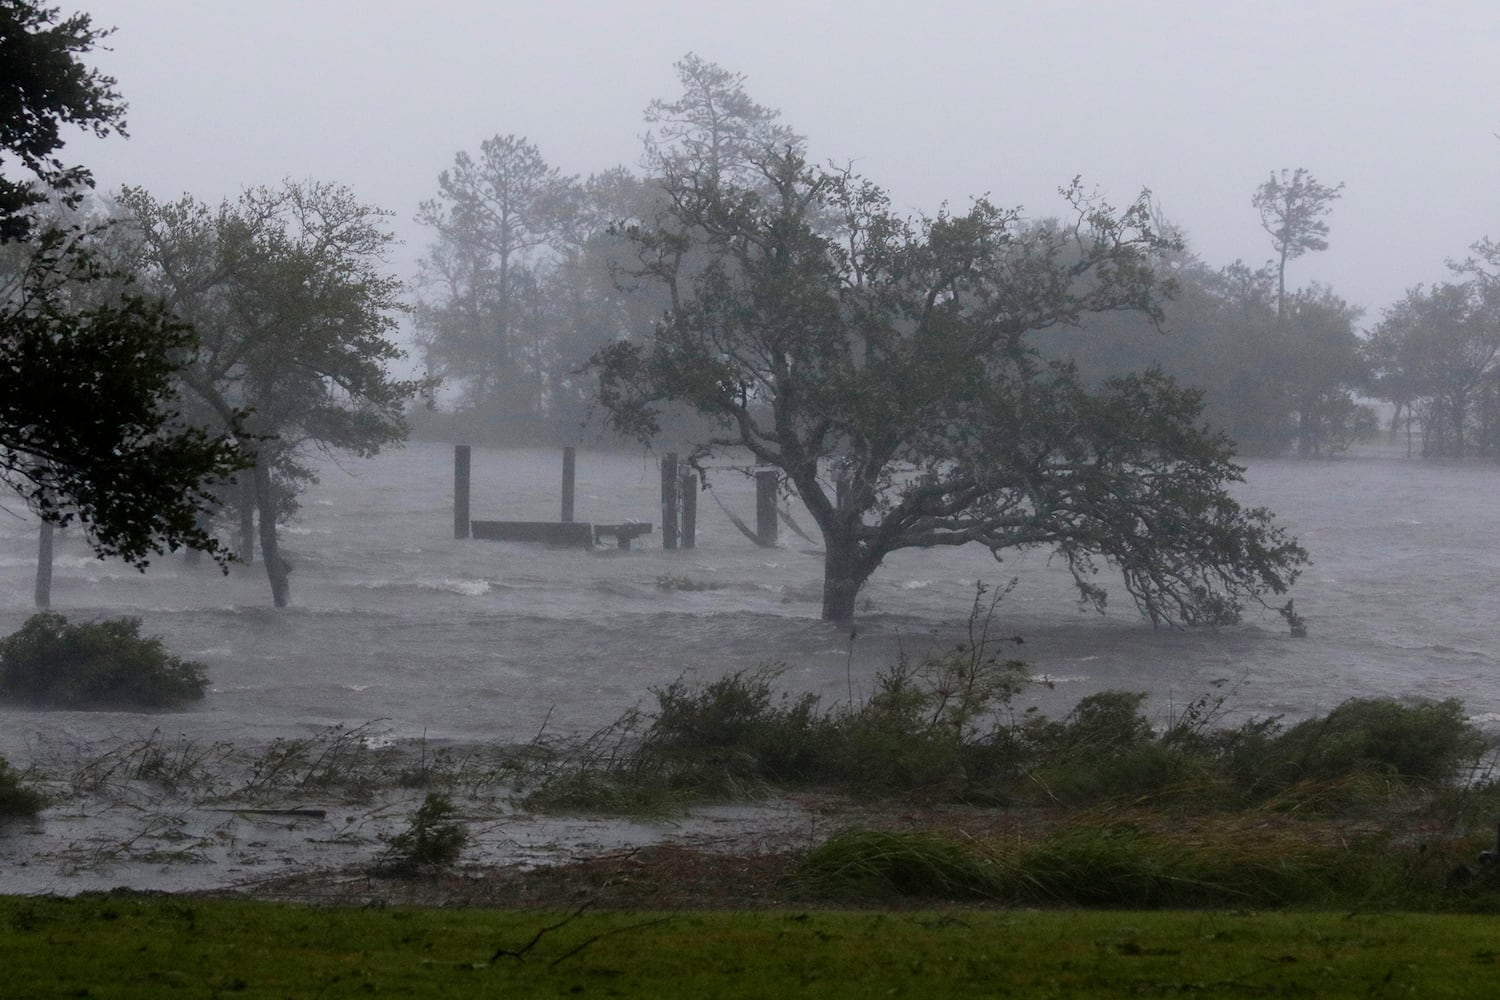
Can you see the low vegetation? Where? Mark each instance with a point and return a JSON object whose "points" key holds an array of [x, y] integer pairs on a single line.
{"points": [[432, 841], [1145, 860], [943, 729], [1378, 804], [952, 793], [17, 798], [105, 664]]}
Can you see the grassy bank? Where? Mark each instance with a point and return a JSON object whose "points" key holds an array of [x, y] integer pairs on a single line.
{"points": [[134, 946]]}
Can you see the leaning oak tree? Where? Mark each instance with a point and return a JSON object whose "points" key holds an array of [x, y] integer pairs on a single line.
{"points": [[888, 369], [90, 423]]}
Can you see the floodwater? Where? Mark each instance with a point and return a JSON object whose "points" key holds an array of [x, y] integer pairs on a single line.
{"points": [[397, 624]]}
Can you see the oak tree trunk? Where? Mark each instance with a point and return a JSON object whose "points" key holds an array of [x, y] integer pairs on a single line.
{"points": [[246, 547], [277, 569], [843, 576]]}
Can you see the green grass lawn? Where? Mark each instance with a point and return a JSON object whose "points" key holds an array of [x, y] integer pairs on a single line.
{"points": [[120, 946]]}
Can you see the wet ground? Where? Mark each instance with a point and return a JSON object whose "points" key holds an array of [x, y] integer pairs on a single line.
{"points": [[159, 842]]}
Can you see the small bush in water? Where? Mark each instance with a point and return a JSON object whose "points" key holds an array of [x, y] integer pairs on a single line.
{"points": [[432, 841], [107, 663], [16, 799]]}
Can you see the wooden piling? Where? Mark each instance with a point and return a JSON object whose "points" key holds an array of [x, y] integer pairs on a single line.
{"points": [[570, 464], [765, 507], [460, 491], [669, 500], [689, 510], [43, 595]]}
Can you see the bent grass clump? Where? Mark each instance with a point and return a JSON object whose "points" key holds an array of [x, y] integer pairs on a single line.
{"points": [[1146, 860]]}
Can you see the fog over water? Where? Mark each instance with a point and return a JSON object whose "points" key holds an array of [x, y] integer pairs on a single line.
{"points": [[937, 102], [470, 641]]}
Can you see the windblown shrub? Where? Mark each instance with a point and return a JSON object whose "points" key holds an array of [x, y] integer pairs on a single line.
{"points": [[1389, 743], [941, 728], [1105, 749], [97, 664], [1100, 861], [882, 865], [432, 840], [16, 798], [733, 730]]}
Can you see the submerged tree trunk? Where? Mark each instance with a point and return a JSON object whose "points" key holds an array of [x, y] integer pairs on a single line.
{"points": [[844, 574], [277, 569], [246, 547]]}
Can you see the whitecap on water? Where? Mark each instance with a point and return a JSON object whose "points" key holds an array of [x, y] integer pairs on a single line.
{"points": [[468, 588]]}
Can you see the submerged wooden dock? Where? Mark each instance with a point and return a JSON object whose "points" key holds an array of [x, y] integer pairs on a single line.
{"points": [[679, 511]]}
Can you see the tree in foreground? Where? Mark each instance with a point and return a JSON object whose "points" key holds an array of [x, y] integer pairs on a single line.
{"points": [[90, 427], [887, 368]]}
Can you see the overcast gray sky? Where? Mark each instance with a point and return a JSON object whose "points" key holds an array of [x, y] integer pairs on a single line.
{"points": [[939, 100]]}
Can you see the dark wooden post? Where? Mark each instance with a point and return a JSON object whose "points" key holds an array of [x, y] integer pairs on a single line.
{"points": [[669, 500], [765, 507], [460, 491], [689, 510], [44, 566], [570, 464]]}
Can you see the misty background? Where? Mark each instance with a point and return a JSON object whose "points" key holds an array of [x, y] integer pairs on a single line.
{"points": [[1200, 103]]}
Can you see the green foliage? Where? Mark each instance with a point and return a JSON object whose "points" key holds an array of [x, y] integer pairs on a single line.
{"points": [[1106, 750], [941, 730], [1156, 862], [873, 866], [1436, 354], [929, 728], [432, 840], [88, 405], [98, 664], [1423, 743], [296, 316], [48, 88], [88, 409], [16, 797]]}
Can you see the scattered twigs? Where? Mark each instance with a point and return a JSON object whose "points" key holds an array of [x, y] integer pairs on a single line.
{"points": [[599, 937], [519, 954]]}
